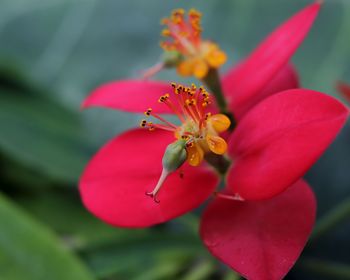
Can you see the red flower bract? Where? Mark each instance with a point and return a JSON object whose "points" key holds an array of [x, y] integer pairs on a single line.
{"points": [[114, 183], [280, 133], [255, 238], [280, 139]]}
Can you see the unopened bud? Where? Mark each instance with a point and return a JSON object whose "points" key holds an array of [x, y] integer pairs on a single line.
{"points": [[175, 155]]}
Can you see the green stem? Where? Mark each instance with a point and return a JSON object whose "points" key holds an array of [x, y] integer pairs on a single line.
{"points": [[212, 81], [220, 163], [333, 270], [332, 219]]}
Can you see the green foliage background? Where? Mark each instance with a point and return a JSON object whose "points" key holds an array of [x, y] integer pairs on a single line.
{"points": [[53, 53]]}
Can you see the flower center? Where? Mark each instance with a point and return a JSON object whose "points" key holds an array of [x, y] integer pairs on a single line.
{"points": [[184, 35], [197, 133], [199, 129]]}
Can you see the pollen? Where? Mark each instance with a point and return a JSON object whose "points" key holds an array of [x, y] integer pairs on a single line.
{"points": [[196, 126], [182, 34]]}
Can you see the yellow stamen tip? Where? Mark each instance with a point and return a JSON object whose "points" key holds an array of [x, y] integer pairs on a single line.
{"points": [[165, 32], [195, 155], [143, 123], [216, 144], [177, 12], [219, 122], [194, 13]]}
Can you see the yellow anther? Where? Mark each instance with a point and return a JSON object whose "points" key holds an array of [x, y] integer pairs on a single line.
{"points": [[184, 34], [143, 123], [166, 32], [215, 57], [177, 16], [178, 12], [205, 103], [194, 13], [219, 122], [216, 144], [150, 126], [148, 112], [195, 155], [187, 102], [207, 115]]}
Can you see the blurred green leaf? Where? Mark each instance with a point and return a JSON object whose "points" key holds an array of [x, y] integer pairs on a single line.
{"points": [[163, 271], [63, 211], [28, 250], [201, 271], [40, 133], [231, 275], [149, 253]]}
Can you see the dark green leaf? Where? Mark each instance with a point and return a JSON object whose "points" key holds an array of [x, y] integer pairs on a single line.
{"points": [[30, 251]]}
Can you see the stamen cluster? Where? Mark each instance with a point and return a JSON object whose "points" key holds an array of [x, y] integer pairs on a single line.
{"points": [[197, 56], [197, 127]]}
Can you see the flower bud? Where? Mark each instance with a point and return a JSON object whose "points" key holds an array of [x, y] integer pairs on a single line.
{"points": [[175, 155]]}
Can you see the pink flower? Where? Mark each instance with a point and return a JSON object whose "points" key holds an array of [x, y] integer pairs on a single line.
{"points": [[261, 221]]}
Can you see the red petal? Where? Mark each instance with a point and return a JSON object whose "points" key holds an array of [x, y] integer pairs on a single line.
{"points": [[115, 181], [344, 89], [270, 56], [286, 78], [260, 239], [280, 139], [130, 96]]}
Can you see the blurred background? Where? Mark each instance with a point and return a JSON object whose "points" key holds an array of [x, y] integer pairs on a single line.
{"points": [[53, 53]]}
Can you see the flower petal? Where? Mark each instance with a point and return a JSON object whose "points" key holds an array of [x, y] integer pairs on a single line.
{"points": [[130, 96], [260, 239], [279, 140], [115, 181], [344, 89], [263, 64], [286, 78]]}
